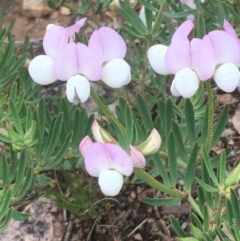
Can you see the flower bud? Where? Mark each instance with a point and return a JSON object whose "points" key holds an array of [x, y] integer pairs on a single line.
{"points": [[151, 145], [137, 158], [101, 135]]}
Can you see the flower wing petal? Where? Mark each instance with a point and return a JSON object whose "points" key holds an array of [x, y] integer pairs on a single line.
{"points": [[116, 73], [227, 77], [186, 82], [156, 57], [41, 70]]}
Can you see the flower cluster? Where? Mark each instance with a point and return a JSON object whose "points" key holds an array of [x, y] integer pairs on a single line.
{"points": [[109, 162], [216, 55], [77, 63]]}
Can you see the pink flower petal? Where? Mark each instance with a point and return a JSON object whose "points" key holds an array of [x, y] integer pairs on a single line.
{"points": [[102, 156], [113, 45], [85, 144], [203, 58], [89, 62], [57, 36], [66, 64], [178, 56], [137, 158], [182, 31], [228, 28], [226, 47]]}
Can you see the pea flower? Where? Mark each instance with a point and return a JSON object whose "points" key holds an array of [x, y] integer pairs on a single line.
{"points": [[107, 161], [198, 60], [102, 59], [226, 47], [41, 67]]}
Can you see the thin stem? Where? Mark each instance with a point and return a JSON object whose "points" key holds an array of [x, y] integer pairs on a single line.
{"points": [[103, 107], [194, 206], [159, 186], [158, 17], [210, 104]]}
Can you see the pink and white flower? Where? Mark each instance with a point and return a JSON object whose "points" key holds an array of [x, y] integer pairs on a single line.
{"points": [[78, 63], [107, 161], [216, 55]]}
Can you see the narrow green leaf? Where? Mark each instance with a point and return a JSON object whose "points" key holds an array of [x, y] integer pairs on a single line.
{"points": [[6, 221], [207, 187], [179, 141], [5, 202], [60, 155], [27, 182], [218, 130], [210, 169], [206, 222], [161, 169], [235, 207], [18, 216], [172, 160], [22, 164], [160, 202], [169, 115], [221, 171], [129, 124], [191, 168], [201, 30], [16, 117], [177, 227], [43, 180], [5, 170], [144, 113], [4, 138], [190, 121], [132, 18], [53, 138]]}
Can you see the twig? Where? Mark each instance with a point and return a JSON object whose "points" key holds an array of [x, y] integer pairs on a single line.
{"points": [[138, 227], [69, 231]]}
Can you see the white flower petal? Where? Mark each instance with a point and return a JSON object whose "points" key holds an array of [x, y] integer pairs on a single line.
{"points": [[186, 82], [41, 70], [116, 73], [173, 89], [78, 89], [227, 77], [156, 57], [110, 182]]}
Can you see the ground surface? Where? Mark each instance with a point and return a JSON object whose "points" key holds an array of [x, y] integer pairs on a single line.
{"points": [[122, 218]]}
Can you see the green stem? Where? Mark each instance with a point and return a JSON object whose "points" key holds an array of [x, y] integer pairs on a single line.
{"points": [[103, 107], [208, 143], [158, 17], [194, 206], [159, 186]]}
